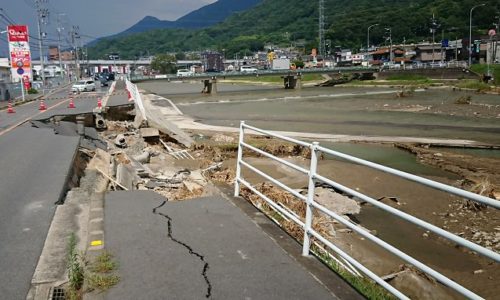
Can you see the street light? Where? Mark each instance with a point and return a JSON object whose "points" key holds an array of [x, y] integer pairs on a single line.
{"points": [[368, 36], [470, 31]]}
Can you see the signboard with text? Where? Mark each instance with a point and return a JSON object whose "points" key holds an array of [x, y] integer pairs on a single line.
{"points": [[20, 55]]}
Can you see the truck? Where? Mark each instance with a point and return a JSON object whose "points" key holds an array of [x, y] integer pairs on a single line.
{"points": [[212, 62], [280, 64]]}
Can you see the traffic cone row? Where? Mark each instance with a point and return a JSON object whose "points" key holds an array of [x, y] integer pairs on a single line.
{"points": [[71, 103], [42, 105], [10, 108]]}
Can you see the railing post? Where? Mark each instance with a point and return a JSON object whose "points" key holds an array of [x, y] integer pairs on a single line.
{"points": [[310, 198], [238, 160]]}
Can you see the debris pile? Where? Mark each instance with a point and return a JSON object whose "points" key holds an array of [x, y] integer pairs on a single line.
{"points": [[148, 159]]}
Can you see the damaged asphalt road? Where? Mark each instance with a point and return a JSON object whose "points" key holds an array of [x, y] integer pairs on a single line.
{"points": [[191, 251], [243, 261]]}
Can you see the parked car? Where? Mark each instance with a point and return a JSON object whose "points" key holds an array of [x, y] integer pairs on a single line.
{"points": [[184, 73], [248, 69], [83, 86]]}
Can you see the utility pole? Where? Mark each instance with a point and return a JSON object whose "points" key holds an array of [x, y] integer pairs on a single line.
{"points": [[42, 14], [322, 47], [470, 31], [495, 46], [388, 32], [75, 35], [434, 27], [59, 29]]}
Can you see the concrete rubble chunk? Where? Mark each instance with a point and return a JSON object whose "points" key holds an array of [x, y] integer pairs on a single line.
{"points": [[149, 132], [337, 203], [100, 162], [221, 138], [192, 186], [143, 158], [120, 141], [126, 176]]}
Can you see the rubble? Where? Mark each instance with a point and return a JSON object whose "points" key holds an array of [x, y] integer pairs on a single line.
{"points": [[120, 141]]}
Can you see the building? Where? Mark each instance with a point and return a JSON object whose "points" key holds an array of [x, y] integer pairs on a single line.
{"points": [[429, 52], [53, 53], [5, 70]]}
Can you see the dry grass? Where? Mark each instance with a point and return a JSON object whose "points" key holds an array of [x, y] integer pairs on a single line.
{"points": [[101, 281], [463, 100], [321, 223]]}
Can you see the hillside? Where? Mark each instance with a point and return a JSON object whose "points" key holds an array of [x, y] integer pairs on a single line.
{"points": [[204, 17], [287, 22]]}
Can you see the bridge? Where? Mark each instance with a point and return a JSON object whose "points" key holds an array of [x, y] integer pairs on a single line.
{"points": [[292, 79]]}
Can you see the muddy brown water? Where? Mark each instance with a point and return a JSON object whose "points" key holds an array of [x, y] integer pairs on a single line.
{"points": [[370, 111]]}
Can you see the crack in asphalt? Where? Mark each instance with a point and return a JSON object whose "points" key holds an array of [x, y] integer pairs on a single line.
{"points": [[191, 251]]}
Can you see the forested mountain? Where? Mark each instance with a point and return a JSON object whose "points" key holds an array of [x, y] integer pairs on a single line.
{"points": [[286, 22], [206, 16]]}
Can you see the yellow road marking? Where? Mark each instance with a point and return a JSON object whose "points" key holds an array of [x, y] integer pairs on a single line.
{"points": [[96, 243]]}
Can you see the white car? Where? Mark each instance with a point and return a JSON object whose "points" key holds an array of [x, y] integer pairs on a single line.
{"points": [[248, 69], [83, 86], [184, 73]]}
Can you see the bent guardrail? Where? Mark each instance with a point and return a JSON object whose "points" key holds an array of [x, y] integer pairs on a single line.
{"points": [[311, 204], [136, 96]]}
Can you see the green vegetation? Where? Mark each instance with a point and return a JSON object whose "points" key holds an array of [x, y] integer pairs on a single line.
{"points": [[32, 91], [96, 274], [99, 275], [103, 263], [365, 286], [101, 282], [408, 77], [285, 22], [164, 63], [75, 269], [473, 85], [483, 69]]}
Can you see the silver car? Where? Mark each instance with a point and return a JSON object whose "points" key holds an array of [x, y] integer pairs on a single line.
{"points": [[83, 86]]}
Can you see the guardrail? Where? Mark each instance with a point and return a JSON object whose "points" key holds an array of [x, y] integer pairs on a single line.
{"points": [[136, 95], [311, 205], [258, 73]]}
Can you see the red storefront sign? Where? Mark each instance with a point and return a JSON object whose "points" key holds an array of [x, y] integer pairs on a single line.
{"points": [[20, 59], [18, 33]]}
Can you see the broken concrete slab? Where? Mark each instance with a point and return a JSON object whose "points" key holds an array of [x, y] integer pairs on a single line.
{"points": [[337, 203], [192, 186], [149, 132], [126, 176]]}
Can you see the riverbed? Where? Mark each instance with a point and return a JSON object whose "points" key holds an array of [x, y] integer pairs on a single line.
{"points": [[371, 111]]}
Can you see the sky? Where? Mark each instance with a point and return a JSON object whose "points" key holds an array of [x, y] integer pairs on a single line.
{"points": [[95, 18]]}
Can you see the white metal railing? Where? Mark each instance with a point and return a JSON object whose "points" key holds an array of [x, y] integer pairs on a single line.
{"points": [[136, 95], [311, 204]]}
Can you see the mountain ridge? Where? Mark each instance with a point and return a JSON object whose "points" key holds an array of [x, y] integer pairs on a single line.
{"points": [[295, 22], [200, 18]]}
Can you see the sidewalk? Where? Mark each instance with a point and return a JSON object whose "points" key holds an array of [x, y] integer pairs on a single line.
{"points": [[205, 248]]}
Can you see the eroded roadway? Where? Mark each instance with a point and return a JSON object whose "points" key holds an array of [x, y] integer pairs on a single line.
{"points": [[34, 165]]}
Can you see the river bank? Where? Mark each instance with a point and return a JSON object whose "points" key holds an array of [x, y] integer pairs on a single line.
{"points": [[202, 116]]}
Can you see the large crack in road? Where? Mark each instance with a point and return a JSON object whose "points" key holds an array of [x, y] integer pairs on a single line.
{"points": [[191, 251]]}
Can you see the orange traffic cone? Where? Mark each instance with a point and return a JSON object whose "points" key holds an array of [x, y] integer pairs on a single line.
{"points": [[129, 96], [42, 105], [71, 103], [99, 103], [10, 108]]}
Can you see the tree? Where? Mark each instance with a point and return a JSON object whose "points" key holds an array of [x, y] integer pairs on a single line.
{"points": [[180, 55], [163, 63]]}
